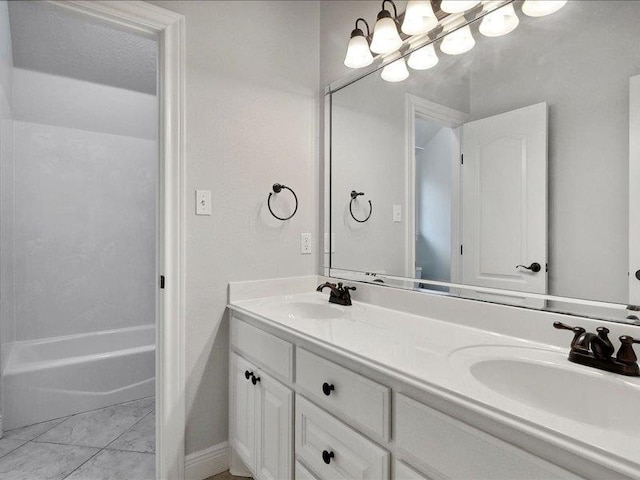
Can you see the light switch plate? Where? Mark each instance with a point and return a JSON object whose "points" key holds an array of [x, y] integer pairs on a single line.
{"points": [[203, 202], [397, 213]]}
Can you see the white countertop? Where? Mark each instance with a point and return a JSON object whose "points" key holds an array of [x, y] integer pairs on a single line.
{"points": [[437, 355]]}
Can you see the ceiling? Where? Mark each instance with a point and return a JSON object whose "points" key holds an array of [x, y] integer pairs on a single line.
{"points": [[52, 39]]}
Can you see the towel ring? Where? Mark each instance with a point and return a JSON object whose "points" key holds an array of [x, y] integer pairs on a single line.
{"points": [[354, 196], [277, 188]]}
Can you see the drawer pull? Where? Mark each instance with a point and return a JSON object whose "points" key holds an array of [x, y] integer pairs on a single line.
{"points": [[254, 379], [247, 374], [326, 388], [327, 456]]}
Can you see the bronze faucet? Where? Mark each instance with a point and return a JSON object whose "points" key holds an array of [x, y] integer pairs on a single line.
{"points": [[596, 350], [339, 295]]}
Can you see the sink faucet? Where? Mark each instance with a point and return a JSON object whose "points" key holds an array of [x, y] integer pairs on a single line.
{"points": [[339, 294], [596, 350]]}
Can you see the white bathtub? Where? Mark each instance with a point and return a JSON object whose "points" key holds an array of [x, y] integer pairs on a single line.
{"points": [[56, 377]]}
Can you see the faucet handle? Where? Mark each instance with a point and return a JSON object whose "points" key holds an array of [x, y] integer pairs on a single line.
{"points": [[577, 331], [626, 353], [347, 288]]}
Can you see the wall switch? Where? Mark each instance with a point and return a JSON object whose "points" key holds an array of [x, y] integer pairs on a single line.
{"points": [[397, 213], [203, 202], [326, 243], [305, 243]]}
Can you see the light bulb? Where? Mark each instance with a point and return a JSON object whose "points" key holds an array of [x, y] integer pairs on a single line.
{"points": [[540, 8], [395, 71], [358, 53], [458, 42], [458, 6], [499, 22], [385, 34], [423, 58], [419, 18]]}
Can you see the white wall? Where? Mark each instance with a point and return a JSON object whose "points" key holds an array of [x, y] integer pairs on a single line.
{"points": [[252, 120], [84, 216]]}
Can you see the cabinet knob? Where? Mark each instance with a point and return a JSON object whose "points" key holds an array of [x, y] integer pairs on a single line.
{"points": [[254, 379], [327, 456], [326, 388], [247, 374]]}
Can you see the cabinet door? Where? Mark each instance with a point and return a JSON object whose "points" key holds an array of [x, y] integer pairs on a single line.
{"points": [[275, 430], [243, 410]]}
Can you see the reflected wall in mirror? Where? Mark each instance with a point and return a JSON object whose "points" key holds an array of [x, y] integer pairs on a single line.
{"points": [[518, 155]]}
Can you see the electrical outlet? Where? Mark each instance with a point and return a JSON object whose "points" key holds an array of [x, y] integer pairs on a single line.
{"points": [[305, 243], [203, 202], [397, 213]]}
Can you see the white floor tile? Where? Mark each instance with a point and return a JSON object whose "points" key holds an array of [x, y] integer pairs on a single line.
{"points": [[117, 465]]}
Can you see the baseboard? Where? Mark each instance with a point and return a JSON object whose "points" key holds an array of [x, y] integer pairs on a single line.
{"points": [[206, 463]]}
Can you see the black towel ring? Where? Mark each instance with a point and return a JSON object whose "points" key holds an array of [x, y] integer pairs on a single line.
{"points": [[277, 188], [355, 195]]}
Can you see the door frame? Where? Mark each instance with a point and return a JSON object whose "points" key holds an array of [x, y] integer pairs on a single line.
{"points": [[169, 29], [417, 106], [634, 190]]}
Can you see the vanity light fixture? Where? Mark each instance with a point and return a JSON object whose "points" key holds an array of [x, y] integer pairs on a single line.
{"points": [[386, 38], [457, 42], [395, 71], [423, 58], [499, 22], [540, 8], [358, 53], [419, 17], [458, 6]]}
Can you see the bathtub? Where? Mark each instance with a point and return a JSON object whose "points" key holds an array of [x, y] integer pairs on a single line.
{"points": [[55, 377]]}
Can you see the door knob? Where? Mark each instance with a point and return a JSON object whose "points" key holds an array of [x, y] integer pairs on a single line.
{"points": [[247, 374], [534, 267], [254, 379], [638, 274]]}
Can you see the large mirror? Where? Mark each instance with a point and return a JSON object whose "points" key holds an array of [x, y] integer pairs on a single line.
{"points": [[512, 167]]}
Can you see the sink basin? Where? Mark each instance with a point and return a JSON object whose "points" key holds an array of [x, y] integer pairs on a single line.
{"points": [[547, 381]]}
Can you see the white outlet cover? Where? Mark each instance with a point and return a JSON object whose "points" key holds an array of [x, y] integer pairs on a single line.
{"points": [[305, 243]]}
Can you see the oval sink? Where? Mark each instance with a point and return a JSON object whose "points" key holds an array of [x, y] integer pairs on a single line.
{"points": [[600, 399]]}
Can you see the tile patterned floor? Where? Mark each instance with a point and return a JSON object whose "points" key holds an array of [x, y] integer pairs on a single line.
{"points": [[112, 443]]}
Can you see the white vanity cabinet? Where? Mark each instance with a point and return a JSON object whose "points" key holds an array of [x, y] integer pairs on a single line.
{"points": [[261, 406], [261, 420], [349, 425]]}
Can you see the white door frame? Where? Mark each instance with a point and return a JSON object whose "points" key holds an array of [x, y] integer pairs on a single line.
{"points": [[451, 118], [169, 29], [634, 190]]}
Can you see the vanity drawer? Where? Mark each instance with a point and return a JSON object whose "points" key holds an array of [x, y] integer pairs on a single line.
{"points": [[269, 351], [457, 450], [354, 456], [365, 402], [303, 474], [402, 471]]}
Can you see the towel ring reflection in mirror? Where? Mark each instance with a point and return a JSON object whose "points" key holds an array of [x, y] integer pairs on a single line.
{"points": [[354, 196], [277, 188]]}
